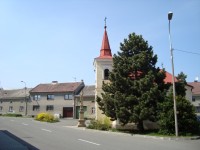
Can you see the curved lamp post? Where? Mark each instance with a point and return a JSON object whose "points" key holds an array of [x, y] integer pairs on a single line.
{"points": [[25, 97], [170, 14]]}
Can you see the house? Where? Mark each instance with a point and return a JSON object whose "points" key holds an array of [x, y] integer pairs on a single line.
{"points": [[13, 101], [62, 99], [188, 87], [56, 98], [196, 96]]}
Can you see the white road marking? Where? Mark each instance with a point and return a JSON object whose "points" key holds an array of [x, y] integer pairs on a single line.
{"points": [[25, 124], [46, 130], [12, 120], [88, 142]]}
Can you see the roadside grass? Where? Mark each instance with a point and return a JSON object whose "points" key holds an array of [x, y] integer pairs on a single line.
{"points": [[106, 126], [12, 115], [155, 133]]}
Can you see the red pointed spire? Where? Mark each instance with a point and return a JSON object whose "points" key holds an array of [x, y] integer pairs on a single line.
{"points": [[105, 47]]}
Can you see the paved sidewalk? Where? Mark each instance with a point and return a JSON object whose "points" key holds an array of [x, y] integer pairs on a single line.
{"points": [[71, 122]]}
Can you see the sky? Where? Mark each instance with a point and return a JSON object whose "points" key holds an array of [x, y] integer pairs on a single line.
{"points": [[57, 40]]}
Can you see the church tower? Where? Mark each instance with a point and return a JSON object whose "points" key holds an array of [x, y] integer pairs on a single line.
{"points": [[102, 65]]}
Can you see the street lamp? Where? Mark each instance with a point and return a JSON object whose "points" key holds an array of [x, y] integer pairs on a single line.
{"points": [[170, 14], [25, 97], [81, 121]]}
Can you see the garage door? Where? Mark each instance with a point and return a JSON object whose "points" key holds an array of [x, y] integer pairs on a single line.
{"points": [[68, 112]]}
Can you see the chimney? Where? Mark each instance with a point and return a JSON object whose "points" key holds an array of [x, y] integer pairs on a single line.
{"points": [[54, 82], [196, 79]]}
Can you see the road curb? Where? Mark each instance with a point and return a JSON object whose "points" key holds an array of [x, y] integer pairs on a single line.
{"points": [[169, 138], [138, 135]]}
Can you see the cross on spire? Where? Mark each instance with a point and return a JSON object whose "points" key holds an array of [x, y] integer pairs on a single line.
{"points": [[105, 22], [105, 47]]}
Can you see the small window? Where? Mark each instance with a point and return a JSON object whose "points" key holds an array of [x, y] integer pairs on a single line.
{"points": [[93, 110], [193, 99], [36, 97], [10, 109], [36, 107], [49, 107], [106, 74], [50, 97], [68, 97], [21, 108], [198, 109], [1, 108]]}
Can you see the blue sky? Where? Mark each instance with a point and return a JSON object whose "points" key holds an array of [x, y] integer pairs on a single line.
{"points": [[47, 40]]}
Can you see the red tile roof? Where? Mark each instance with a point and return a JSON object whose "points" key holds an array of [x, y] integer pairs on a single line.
{"points": [[196, 87], [168, 78], [56, 87], [14, 94]]}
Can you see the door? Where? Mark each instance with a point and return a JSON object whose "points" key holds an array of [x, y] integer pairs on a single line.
{"points": [[78, 109], [67, 112]]}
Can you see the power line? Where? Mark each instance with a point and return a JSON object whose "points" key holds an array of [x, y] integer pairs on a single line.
{"points": [[187, 52]]}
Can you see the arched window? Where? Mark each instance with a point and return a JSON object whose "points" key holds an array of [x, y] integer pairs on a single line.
{"points": [[106, 74]]}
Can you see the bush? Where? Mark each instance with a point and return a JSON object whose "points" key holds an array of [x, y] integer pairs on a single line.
{"points": [[104, 125], [187, 120], [12, 115], [46, 117]]}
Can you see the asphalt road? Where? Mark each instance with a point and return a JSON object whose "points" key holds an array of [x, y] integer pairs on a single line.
{"points": [[26, 133]]}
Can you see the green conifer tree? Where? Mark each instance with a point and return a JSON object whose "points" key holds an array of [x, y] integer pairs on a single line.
{"points": [[187, 119], [136, 84]]}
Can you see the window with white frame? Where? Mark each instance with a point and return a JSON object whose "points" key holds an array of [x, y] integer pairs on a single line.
{"points": [[49, 108], [36, 97], [68, 96], [10, 109], [50, 97], [21, 108], [36, 107]]}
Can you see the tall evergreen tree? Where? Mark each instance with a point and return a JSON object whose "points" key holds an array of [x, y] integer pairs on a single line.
{"points": [[136, 84], [187, 119], [180, 85]]}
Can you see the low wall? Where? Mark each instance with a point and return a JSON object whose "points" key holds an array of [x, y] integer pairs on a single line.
{"points": [[148, 125]]}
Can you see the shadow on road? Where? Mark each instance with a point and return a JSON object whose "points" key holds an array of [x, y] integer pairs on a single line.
{"points": [[9, 141]]}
